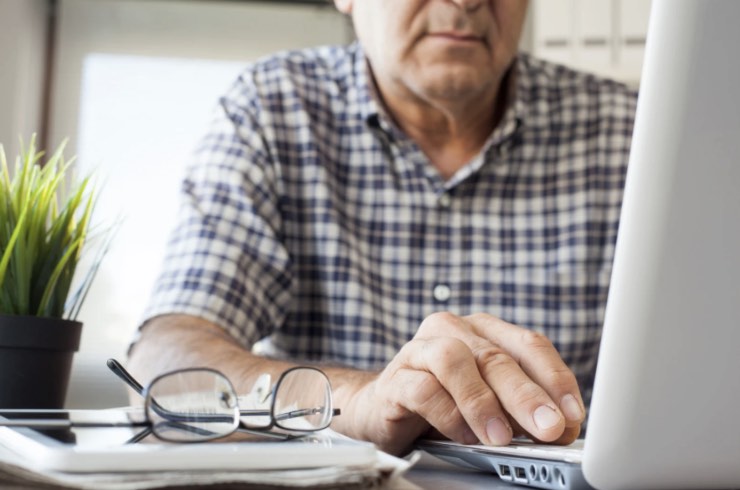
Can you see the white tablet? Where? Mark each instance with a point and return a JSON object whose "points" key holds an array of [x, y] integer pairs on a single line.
{"points": [[108, 449]]}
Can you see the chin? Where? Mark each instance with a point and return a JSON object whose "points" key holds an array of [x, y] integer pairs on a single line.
{"points": [[452, 87], [453, 82]]}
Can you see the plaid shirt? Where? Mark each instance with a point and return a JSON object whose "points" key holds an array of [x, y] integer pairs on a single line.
{"points": [[310, 220]]}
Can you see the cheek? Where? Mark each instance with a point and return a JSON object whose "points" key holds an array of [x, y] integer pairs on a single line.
{"points": [[370, 28], [388, 47], [395, 22], [509, 19]]}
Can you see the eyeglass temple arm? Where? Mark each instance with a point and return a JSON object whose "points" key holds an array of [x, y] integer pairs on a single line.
{"points": [[289, 415], [171, 424], [127, 378], [304, 412], [140, 436], [169, 415], [278, 436], [124, 375]]}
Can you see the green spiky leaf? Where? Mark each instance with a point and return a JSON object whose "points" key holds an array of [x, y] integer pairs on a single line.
{"points": [[45, 217]]}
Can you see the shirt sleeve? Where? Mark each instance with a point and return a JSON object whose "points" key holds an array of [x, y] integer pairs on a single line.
{"points": [[225, 261]]}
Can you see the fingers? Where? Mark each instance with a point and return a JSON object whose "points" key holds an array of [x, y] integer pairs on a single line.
{"points": [[438, 378], [478, 378], [539, 359], [520, 370], [423, 395]]}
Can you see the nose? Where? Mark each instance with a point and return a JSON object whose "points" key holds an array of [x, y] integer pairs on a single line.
{"points": [[469, 5]]}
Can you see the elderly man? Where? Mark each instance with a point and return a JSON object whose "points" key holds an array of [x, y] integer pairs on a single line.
{"points": [[427, 214]]}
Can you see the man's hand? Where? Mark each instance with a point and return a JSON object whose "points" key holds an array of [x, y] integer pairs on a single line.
{"points": [[474, 378]]}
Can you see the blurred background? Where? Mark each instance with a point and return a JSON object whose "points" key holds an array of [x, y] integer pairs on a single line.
{"points": [[132, 83]]}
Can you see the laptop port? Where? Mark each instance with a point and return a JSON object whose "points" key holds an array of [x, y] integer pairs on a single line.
{"points": [[532, 472], [520, 474], [504, 472], [544, 473], [559, 477]]}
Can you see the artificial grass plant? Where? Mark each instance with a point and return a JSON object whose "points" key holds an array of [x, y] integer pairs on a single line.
{"points": [[44, 225]]}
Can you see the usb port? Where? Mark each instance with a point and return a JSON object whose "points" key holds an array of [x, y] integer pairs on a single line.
{"points": [[520, 474], [504, 472]]}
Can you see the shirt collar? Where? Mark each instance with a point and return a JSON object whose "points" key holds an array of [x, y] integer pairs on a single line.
{"points": [[367, 97], [510, 121]]}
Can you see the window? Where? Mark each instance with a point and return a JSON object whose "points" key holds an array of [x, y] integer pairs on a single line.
{"points": [[134, 84]]}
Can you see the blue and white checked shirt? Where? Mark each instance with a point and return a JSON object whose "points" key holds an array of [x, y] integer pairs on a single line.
{"points": [[311, 221]]}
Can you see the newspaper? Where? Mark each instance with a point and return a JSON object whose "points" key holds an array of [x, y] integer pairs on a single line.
{"points": [[14, 474]]}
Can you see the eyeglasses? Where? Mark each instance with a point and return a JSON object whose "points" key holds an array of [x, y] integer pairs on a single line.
{"points": [[201, 404]]}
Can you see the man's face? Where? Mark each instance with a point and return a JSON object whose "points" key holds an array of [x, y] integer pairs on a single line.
{"points": [[443, 49]]}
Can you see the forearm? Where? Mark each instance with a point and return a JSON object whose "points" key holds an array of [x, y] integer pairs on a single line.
{"points": [[179, 341]]}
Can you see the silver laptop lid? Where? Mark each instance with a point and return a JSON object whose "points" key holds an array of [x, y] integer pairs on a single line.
{"points": [[666, 403]]}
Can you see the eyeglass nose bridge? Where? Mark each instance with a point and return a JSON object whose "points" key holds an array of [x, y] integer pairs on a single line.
{"points": [[263, 388]]}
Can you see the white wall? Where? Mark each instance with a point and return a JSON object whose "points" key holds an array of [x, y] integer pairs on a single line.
{"points": [[22, 60], [606, 37]]}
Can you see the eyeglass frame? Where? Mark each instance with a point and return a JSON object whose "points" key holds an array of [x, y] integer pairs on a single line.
{"points": [[118, 369]]}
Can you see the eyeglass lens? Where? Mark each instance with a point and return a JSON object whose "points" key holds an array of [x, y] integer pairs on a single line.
{"points": [[192, 405], [303, 400]]}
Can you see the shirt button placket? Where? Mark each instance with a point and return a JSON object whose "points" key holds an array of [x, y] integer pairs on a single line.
{"points": [[442, 292]]}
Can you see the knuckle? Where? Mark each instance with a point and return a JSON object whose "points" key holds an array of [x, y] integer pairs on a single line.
{"points": [[478, 406], [402, 358], [406, 350], [493, 357], [482, 318], [526, 394], [447, 352], [447, 419], [479, 317], [560, 378], [435, 321], [536, 340]]}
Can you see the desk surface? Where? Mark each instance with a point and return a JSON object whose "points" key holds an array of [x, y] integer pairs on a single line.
{"points": [[431, 473]]}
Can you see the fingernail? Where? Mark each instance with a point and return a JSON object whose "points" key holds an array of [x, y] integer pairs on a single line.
{"points": [[498, 432], [545, 417], [571, 408]]}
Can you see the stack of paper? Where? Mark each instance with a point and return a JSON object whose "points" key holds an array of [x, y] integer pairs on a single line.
{"points": [[103, 459]]}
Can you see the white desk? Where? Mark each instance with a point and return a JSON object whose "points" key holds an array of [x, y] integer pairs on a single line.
{"points": [[431, 473]]}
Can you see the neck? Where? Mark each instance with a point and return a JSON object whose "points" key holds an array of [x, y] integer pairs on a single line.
{"points": [[450, 132]]}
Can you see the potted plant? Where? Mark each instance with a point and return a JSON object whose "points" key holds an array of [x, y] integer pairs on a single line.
{"points": [[44, 226]]}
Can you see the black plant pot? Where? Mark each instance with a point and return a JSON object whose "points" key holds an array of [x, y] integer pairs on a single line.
{"points": [[35, 360]]}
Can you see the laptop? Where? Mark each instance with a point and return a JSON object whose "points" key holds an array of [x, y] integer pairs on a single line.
{"points": [[665, 411]]}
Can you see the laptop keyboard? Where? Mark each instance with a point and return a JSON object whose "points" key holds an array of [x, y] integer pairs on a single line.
{"points": [[571, 454]]}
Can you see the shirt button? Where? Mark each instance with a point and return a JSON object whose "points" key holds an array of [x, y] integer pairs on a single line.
{"points": [[442, 292], [444, 200]]}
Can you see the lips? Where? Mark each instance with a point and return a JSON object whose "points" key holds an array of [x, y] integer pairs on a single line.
{"points": [[456, 36]]}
